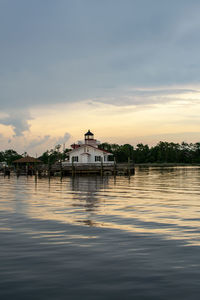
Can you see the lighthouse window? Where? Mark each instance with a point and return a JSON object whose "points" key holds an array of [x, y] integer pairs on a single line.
{"points": [[75, 158], [97, 158]]}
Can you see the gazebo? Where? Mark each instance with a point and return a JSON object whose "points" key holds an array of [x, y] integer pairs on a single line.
{"points": [[27, 164]]}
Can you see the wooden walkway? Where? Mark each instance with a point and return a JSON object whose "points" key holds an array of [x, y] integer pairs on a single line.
{"points": [[60, 169], [102, 169]]}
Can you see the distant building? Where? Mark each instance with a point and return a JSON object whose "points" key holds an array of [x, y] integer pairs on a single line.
{"points": [[88, 151], [27, 164]]}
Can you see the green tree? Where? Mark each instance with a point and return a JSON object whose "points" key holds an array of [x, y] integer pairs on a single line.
{"points": [[10, 156]]}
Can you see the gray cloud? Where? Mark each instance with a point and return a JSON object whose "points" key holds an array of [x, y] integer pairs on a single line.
{"points": [[18, 120], [144, 97], [38, 142], [64, 52], [32, 145], [47, 141], [63, 139]]}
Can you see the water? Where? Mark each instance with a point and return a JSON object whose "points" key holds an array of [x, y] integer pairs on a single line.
{"points": [[101, 238]]}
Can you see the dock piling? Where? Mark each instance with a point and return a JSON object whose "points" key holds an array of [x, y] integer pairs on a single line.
{"points": [[114, 170], [73, 168], [101, 166]]}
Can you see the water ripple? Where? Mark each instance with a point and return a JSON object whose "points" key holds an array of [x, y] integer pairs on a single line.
{"points": [[126, 235]]}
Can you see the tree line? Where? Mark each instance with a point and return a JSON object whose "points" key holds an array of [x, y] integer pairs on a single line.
{"points": [[163, 152]]}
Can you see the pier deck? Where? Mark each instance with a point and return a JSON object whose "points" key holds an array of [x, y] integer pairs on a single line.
{"points": [[91, 168], [68, 169]]}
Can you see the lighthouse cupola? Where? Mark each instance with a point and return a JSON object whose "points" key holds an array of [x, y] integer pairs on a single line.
{"points": [[89, 135], [89, 139]]}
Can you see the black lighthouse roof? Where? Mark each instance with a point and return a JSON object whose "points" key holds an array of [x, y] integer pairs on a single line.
{"points": [[89, 133]]}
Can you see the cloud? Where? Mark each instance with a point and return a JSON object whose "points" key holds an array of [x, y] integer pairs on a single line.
{"points": [[145, 97], [62, 53], [140, 43], [31, 145], [63, 140], [18, 120], [38, 142]]}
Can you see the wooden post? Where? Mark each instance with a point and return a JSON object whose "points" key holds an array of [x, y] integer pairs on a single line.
{"points": [[49, 173], [114, 167], [73, 169], [17, 171], [101, 166], [35, 172], [61, 170], [6, 171], [129, 169], [133, 171]]}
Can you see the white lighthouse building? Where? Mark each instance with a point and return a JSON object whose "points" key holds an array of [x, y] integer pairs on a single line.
{"points": [[88, 152]]}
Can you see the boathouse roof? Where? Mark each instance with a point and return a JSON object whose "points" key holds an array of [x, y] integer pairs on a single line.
{"points": [[27, 159]]}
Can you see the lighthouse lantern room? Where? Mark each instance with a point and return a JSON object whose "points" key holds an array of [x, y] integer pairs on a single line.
{"points": [[89, 135], [89, 139]]}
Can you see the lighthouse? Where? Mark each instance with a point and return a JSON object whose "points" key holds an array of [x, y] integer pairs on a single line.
{"points": [[89, 139]]}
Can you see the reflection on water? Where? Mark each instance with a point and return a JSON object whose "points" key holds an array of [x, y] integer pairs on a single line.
{"points": [[101, 238]]}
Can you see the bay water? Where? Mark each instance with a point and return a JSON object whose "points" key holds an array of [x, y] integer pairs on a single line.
{"points": [[101, 238]]}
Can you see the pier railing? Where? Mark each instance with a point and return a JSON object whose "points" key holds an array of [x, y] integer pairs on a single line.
{"points": [[77, 164]]}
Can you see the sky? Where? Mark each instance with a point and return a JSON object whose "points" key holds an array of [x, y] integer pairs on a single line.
{"points": [[128, 70]]}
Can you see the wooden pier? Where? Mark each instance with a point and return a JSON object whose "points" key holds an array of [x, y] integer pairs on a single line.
{"points": [[99, 169], [58, 169]]}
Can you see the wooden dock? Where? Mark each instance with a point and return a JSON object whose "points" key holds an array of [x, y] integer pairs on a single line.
{"points": [[100, 169], [68, 169]]}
